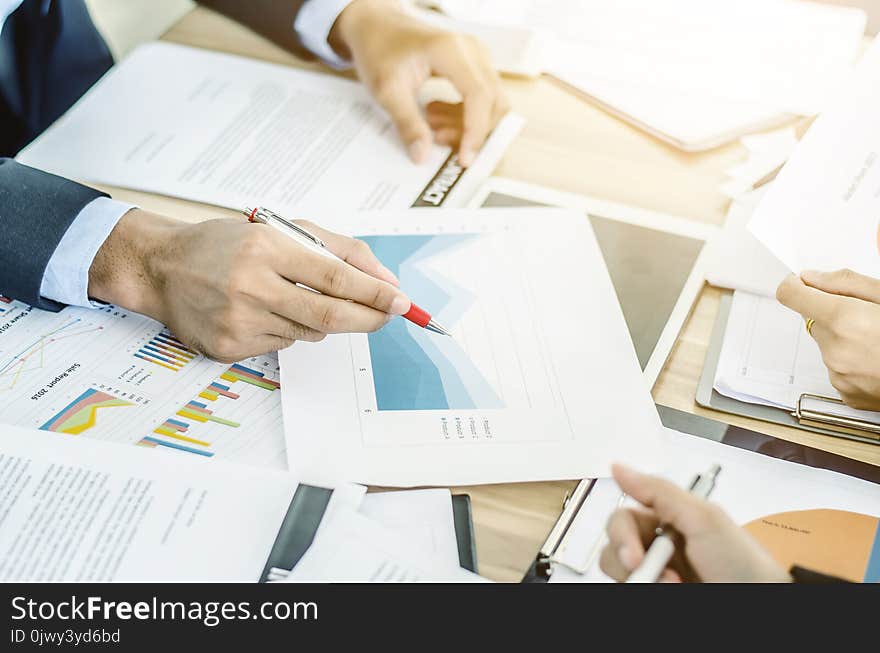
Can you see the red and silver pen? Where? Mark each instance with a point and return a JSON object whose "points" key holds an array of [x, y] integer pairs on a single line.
{"points": [[416, 315]]}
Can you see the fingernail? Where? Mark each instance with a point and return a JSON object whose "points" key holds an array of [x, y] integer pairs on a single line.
{"points": [[400, 305], [389, 275], [418, 151], [466, 157], [622, 471]]}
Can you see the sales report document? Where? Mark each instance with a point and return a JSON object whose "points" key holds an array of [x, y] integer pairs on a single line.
{"points": [[234, 132], [539, 380]]}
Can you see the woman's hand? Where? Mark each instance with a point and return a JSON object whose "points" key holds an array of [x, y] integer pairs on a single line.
{"points": [[845, 307], [710, 548]]}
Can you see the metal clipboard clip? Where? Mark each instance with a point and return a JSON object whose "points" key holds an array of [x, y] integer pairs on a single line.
{"points": [[556, 540], [863, 429]]}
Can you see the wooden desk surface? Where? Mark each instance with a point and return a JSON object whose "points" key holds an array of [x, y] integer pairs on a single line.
{"points": [[570, 145]]}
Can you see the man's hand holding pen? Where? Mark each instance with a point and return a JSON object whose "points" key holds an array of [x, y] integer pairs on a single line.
{"points": [[229, 289]]}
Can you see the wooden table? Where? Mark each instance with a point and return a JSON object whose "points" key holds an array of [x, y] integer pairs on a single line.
{"points": [[570, 145]]}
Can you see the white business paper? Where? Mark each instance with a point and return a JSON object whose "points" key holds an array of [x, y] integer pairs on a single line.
{"points": [[822, 210], [73, 509], [737, 260], [539, 380], [769, 358], [424, 517], [352, 548], [235, 132]]}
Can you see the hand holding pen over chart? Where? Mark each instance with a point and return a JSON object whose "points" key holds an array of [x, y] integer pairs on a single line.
{"points": [[309, 239], [231, 290], [697, 541]]}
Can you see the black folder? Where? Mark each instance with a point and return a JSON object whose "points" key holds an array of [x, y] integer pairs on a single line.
{"points": [[307, 509]]}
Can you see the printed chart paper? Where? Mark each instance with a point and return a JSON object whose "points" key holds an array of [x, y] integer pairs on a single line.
{"points": [[539, 381], [109, 374]]}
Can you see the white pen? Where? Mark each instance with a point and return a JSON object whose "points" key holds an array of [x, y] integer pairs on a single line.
{"points": [[418, 316], [660, 552]]}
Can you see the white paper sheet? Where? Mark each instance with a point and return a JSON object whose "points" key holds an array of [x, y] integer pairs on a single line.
{"points": [[232, 131], [424, 517], [821, 211], [768, 358], [352, 548], [73, 509], [539, 381], [735, 259], [580, 550], [749, 486]]}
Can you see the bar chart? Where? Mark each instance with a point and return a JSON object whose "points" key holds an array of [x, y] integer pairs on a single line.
{"points": [[203, 425], [166, 351], [111, 375]]}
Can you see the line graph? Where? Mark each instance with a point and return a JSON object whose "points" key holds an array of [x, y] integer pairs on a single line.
{"points": [[412, 369], [33, 356]]}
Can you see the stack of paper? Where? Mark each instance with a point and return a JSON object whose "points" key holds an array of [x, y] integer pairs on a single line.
{"points": [[694, 72]]}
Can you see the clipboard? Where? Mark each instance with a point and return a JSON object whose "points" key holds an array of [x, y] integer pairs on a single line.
{"points": [[307, 509], [804, 417], [698, 426]]}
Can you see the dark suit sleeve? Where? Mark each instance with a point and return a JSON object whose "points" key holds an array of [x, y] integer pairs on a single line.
{"points": [[272, 18], [36, 209]]}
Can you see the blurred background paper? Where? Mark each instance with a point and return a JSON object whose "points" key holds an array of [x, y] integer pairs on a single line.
{"points": [[695, 73], [821, 211]]}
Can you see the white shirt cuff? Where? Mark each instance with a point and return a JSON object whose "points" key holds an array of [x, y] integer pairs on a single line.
{"points": [[313, 24], [66, 279]]}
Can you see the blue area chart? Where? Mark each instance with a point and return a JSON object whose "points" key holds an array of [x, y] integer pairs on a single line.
{"points": [[414, 369]]}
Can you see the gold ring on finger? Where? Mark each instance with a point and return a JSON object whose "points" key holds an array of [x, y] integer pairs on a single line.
{"points": [[809, 322]]}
